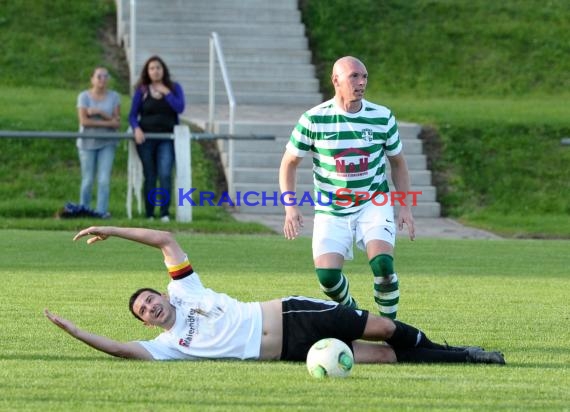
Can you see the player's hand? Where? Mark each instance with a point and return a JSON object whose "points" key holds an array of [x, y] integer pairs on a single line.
{"points": [[98, 233], [405, 216], [60, 322], [293, 223]]}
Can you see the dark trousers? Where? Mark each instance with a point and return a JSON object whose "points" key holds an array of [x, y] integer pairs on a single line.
{"points": [[157, 157]]}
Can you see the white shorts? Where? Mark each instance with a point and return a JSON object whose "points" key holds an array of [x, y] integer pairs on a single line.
{"points": [[336, 234]]}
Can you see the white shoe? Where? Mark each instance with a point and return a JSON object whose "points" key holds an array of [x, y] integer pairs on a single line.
{"points": [[165, 219]]}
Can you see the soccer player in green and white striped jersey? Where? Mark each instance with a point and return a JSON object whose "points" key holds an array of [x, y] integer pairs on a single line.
{"points": [[350, 139]]}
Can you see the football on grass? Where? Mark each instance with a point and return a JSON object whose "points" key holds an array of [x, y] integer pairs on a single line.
{"points": [[330, 358]]}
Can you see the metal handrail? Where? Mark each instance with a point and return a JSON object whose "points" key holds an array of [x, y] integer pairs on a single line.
{"points": [[216, 49], [117, 135], [120, 22]]}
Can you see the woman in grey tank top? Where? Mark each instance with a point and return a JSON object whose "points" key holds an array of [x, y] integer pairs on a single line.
{"points": [[99, 111]]}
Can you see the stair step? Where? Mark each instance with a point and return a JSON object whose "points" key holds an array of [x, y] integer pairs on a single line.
{"points": [[408, 131], [200, 85], [277, 146], [304, 175], [234, 14], [223, 29], [305, 99], [228, 43], [191, 71], [415, 161], [244, 56], [426, 193], [221, 5], [428, 209]]}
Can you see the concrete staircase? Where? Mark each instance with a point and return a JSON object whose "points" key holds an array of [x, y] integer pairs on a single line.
{"points": [[274, 82], [264, 46]]}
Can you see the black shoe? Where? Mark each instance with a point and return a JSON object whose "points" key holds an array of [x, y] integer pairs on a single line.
{"points": [[478, 355], [460, 348]]}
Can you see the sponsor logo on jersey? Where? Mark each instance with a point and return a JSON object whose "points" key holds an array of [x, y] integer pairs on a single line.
{"points": [[191, 321], [352, 162]]}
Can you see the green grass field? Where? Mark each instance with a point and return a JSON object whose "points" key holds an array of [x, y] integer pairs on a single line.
{"points": [[510, 295]]}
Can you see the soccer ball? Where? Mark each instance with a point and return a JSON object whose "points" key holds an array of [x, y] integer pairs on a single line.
{"points": [[330, 358]]}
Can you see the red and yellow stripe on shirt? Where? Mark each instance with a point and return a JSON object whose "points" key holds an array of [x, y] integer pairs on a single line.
{"points": [[181, 270]]}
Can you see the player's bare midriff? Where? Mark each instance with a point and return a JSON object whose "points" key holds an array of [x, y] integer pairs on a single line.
{"points": [[272, 330]]}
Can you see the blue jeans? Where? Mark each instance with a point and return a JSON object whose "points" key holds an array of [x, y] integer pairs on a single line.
{"points": [[157, 157], [98, 161]]}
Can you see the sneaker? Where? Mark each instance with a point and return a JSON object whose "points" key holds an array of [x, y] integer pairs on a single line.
{"points": [[150, 218], [477, 355], [165, 219]]}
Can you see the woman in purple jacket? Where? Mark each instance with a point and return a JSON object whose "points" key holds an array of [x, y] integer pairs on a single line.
{"points": [[155, 107]]}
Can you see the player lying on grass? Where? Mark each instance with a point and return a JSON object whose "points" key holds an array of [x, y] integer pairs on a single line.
{"points": [[199, 323]]}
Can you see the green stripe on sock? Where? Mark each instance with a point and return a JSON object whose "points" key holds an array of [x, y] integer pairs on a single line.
{"points": [[388, 315], [387, 287], [335, 285], [383, 296], [386, 302]]}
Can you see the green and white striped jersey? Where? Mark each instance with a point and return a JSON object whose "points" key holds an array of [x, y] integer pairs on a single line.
{"points": [[348, 153]]}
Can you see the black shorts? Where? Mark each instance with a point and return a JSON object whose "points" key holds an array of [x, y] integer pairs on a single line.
{"points": [[308, 320]]}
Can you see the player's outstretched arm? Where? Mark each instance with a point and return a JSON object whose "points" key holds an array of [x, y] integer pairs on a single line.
{"points": [[156, 238], [129, 350]]}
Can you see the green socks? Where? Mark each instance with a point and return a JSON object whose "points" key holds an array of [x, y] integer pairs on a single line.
{"points": [[386, 286], [335, 285]]}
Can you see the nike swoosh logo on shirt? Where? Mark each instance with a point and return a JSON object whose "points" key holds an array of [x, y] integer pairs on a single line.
{"points": [[328, 136]]}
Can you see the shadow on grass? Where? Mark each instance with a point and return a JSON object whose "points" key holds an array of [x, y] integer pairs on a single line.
{"points": [[536, 365]]}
